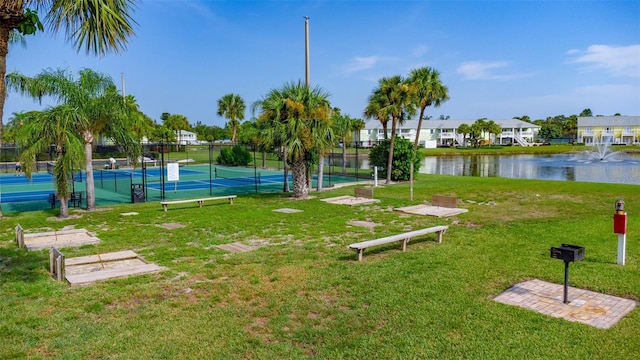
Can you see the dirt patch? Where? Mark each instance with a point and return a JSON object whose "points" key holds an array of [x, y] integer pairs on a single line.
{"points": [[362, 223], [308, 197], [70, 217], [171, 226]]}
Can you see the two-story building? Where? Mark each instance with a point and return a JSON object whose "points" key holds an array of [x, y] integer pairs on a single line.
{"points": [[609, 129], [434, 133]]}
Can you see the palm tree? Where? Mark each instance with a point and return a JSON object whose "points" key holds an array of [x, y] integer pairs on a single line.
{"points": [[396, 95], [374, 110], [142, 126], [464, 129], [98, 105], [55, 126], [232, 107], [177, 123], [271, 128], [300, 122], [343, 126], [98, 26], [429, 92], [493, 128]]}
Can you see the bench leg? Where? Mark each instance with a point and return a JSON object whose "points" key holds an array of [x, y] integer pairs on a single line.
{"points": [[440, 236], [360, 251], [404, 244], [200, 203], [164, 206], [231, 200]]}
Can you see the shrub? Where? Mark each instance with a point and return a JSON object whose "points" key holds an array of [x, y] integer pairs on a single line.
{"points": [[237, 156], [402, 154]]}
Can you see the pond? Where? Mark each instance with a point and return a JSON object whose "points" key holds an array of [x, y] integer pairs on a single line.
{"points": [[620, 168]]}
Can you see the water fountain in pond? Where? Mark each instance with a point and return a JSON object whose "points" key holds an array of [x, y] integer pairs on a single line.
{"points": [[602, 151]]}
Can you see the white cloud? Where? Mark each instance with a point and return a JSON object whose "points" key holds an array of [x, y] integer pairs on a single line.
{"points": [[477, 70], [360, 63], [619, 61]]}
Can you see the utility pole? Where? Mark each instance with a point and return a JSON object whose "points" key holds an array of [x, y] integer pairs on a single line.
{"points": [[306, 51], [122, 80]]}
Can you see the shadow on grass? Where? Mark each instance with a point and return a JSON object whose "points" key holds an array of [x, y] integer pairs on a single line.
{"points": [[20, 265]]}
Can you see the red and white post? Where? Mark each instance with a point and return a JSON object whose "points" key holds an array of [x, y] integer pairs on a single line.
{"points": [[620, 228]]}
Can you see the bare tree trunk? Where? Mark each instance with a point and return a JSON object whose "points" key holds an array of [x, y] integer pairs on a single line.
{"points": [[88, 168], [4, 49], [415, 152], [299, 170], [391, 143], [344, 156], [64, 207], [264, 160], [320, 172], [285, 186]]}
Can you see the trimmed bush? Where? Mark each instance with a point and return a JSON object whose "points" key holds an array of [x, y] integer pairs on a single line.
{"points": [[402, 154], [237, 156]]}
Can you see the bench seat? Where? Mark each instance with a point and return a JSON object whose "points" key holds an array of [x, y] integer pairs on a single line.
{"points": [[404, 238], [200, 201]]}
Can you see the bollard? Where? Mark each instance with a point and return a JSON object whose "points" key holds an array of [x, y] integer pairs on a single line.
{"points": [[620, 228]]}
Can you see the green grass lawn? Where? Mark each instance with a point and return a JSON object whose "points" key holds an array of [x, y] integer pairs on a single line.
{"points": [[304, 295]]}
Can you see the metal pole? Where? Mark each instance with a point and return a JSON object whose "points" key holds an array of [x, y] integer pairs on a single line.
{"points": [[622, 245], [566, 282], [161, 170], [306, 51], [210, 162], [255, 171], [123, 93]]}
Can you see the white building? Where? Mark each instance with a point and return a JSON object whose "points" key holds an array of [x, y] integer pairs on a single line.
{"points": [[434, 133], [185, 137]]}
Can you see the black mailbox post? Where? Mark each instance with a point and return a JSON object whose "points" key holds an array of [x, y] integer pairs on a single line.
{"points": [[567, 253]]}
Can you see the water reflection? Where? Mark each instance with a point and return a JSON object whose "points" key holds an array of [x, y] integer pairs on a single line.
{"points": [[622, 168]]}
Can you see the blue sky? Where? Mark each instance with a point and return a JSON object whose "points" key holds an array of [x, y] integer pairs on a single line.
{"points": [[499, 59]]}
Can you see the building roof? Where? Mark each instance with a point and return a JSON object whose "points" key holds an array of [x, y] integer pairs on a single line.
{"points": [[608, 120], [450, 124]]}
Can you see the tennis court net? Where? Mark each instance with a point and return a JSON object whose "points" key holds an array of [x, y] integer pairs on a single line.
{"points": [[240, 176]]}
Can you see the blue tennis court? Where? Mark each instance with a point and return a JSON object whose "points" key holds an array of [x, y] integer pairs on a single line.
{"points": [[17, 193], [217, 183]]}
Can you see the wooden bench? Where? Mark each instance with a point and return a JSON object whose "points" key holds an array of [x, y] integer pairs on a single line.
{"points": [[200, 201], [404, 238], [75, 198], [444, 201]]}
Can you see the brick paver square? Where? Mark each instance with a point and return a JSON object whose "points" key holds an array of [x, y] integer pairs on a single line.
{"points": [[587, 307]]}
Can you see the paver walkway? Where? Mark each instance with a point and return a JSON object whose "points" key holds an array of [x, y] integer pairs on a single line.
{"points": [[588, 307]]}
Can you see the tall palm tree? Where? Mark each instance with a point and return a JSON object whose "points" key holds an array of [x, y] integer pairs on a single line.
{"points": [[55, 126], [98, 105], [398, 105], [271, 127], [232, 107], [375, 110], [97, 26], [464, 129], [300, 116], [429, 92], [344, 126]]}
